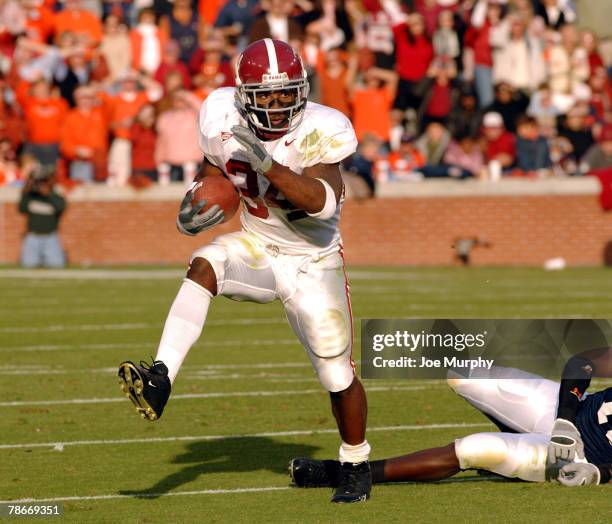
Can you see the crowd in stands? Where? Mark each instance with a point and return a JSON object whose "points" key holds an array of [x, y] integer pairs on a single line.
{"points": [[108, 91]]}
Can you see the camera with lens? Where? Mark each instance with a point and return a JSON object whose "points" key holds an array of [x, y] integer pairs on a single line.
{"points": [[41, 175]]}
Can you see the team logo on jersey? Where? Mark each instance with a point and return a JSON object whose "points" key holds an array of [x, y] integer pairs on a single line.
{"points": [[577, 393], [225, 135]]}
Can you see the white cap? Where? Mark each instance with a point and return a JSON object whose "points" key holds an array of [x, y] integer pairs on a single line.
{"points": [[493, 119], [446, 3]]}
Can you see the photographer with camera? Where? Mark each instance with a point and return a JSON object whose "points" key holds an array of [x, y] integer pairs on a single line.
{"points": [[43, 207]]}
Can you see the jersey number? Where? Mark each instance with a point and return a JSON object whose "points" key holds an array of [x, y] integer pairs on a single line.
{"points": [[258, 205], [605, 411]]}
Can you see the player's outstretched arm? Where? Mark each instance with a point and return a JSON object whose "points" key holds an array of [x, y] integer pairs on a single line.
{"points": [[189, 220], [317, 190], [565, 441]]}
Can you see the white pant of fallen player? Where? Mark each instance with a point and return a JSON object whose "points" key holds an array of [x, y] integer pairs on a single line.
{"points": [[521, 401]]}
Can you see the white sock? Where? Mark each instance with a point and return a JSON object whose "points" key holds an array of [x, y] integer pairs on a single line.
{"points": [[183, 325], [354, 454]]}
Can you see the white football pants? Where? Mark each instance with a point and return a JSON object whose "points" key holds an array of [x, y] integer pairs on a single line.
{"points": [[522, 401], [312, 288]]}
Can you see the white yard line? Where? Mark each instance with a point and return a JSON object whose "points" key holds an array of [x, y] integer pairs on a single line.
{"points": [[147, 344], [216, 394], [68, 347], [59, 446], [215, 492], [133, 325], [92, 274], [151, 495]]}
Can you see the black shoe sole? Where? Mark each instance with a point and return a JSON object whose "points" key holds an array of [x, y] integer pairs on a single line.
{"points": [[132, 384], [363, 498], [291, 474]]}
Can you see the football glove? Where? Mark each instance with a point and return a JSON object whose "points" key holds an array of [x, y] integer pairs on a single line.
{"points": [[579, 474], [565, 442], [258, 157], [189, 222]]}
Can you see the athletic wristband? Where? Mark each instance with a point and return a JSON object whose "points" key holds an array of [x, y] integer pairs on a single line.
{"points": [[605, 473], [329, 208]]}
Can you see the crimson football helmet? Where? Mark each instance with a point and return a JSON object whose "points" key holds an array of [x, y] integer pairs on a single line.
{"points": [[268, 66]]}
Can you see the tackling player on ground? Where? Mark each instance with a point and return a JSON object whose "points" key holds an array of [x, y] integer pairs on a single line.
{"points": [[550, 431], [283, 156]]}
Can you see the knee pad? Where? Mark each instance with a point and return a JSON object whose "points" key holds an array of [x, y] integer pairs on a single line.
{"points": [[513, 456], [481, 451], [327, 331], [335, 374], [216, 256]]}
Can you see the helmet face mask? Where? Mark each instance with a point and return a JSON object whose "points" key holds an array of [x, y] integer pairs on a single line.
{"points": [[272, 87]]}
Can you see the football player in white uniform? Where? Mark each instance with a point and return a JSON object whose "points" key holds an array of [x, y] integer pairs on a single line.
{"points": [[283, 156], [549, 431]]}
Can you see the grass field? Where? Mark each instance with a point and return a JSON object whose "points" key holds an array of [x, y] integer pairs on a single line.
{"points": [[246, 401]]}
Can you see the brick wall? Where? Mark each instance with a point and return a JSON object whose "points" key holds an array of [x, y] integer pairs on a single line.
{"points": [[523, 230]]}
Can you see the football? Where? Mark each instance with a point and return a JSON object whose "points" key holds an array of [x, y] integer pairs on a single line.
{"points": [[217, 190]]}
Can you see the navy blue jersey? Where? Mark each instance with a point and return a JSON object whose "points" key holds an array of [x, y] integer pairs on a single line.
{"points": [[594, 421]]}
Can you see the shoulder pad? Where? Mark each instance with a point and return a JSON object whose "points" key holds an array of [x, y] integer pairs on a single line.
{"points": [[326, 136]]}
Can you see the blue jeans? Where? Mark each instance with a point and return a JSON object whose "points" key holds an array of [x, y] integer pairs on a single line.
{"points": [[483, 77], [82, 170], [444, 170], [46, 154], [42, 250]]}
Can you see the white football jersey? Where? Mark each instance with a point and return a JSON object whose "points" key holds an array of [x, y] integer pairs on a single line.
{"points": [[324, 136]]}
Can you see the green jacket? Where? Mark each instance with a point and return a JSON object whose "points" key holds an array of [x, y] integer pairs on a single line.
{"points": [[43, 211]]}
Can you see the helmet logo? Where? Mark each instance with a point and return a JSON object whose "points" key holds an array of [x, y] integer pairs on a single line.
{"points": [[279, 77]]}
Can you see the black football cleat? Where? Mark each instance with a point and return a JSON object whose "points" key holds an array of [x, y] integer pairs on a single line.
{"points": [[147, 386], [310, 473], [355, 483]]}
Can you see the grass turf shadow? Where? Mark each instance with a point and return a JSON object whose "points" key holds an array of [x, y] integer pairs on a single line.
{"points": [[237, 455]]}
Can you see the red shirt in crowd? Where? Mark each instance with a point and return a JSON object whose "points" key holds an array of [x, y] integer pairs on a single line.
{"points": [[143, 146], [506, 143], [413, 57], [440, 103], [165, 69], [478, 40]]}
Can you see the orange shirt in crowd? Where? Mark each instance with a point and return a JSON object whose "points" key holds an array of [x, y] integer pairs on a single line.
{"points": [[44, 118], [79, 21], [209, 9], [402, 165], [121, 109], [202, 93], [334, 92], [39, 23], [371, 108], [136, 45], [83, 129]]}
